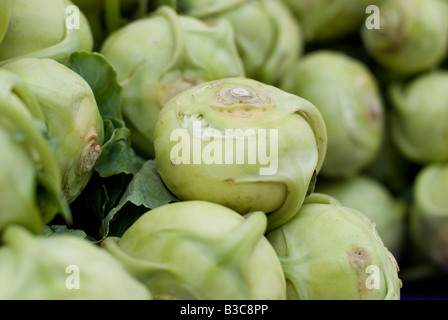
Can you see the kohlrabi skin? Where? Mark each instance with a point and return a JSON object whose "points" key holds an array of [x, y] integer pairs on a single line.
{"points": [[268, 37], [327, 20], [106, 16], [329, 251], [62, 267], [197, 250], [30, 181], [17, 181], [419, 113], [348, 97], [429, 214], [161, 55], [43, 29], [5, 15], [412, 35], [71, 114], [373, 199], [243, 144]]}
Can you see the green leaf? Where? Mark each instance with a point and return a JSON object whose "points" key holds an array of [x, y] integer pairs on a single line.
{"points": [[99, 197], [146, 191], [120, 157], [117, 155], [124, 185], [62, 229], [102, 78]]}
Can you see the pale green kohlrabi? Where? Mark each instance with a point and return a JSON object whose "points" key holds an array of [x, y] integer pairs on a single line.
{"points": [[268, 37], [44, 29], [369, 196], [419, 113], [201, 250], [429, 214], [30, 188], [412, 35], [329, 251], [161, 55], [328, 20], [390, 167], [349, 99], [71, 114], [62, 267], [106, 16], [243, 144]]}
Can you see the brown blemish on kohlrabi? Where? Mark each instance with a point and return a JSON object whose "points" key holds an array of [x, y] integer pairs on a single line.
{"points": [[84, 165], [374, 110], [393, 36], [90, 153], [359, 259], [244, 113], [240, 102]]}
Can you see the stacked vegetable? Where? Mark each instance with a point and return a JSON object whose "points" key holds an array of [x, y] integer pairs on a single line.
{"points": [[243, 149]]}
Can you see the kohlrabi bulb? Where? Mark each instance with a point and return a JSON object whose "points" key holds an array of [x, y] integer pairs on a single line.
{"points": [[43, 29], [329, 251], [412, 35], [268, 36], [372, 198], [347, 95], [243, 144], [197, 250], [160, 55], [429, 214], [418, 117], [30, 180], [62, 267], [71, 114]]}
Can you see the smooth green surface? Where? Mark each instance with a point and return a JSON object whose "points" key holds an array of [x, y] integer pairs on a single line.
{"points": [[346, 93]]}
